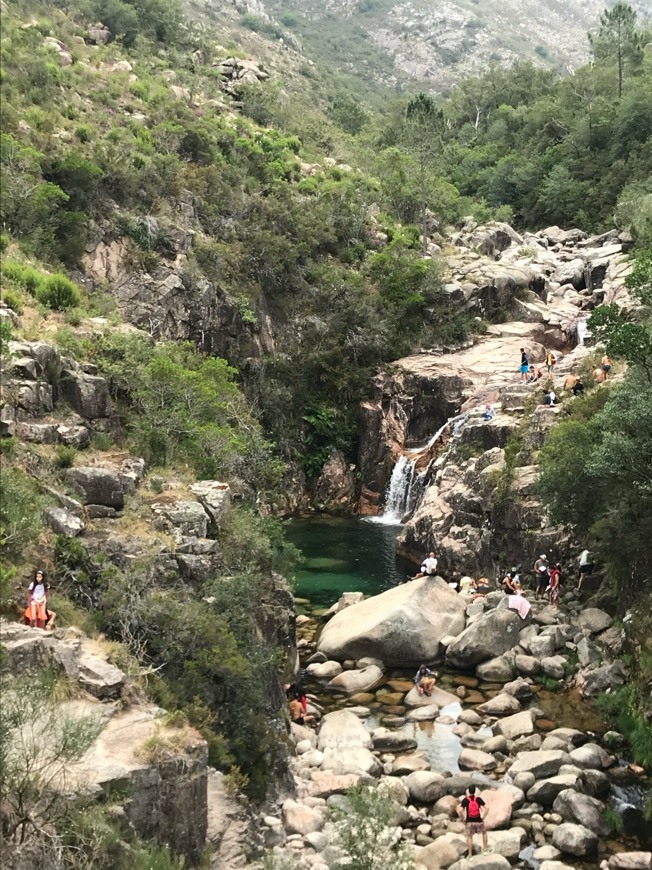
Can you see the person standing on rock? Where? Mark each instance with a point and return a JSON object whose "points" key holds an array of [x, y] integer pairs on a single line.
{"points": [[525, 365], [586, 567], [541, 576], [472, 810], [606, 366], [555, 586], [551, 361]]}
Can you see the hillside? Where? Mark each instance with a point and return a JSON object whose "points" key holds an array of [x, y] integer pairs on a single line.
{"points": [[433, 46]]}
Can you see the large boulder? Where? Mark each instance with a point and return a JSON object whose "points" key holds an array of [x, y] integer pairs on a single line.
{"points": [[476, 759], [425, 786], [97, 486], [501, 705], [491, 636], [215, 498], [540, 763], [342, 729], [594, 620], [403, 626], [518, 725], [631, 861], [602, 679], [357, 680], [438, 696], [88, 395], [582, 809], [575, 840], [301, 819], [546, 790]]}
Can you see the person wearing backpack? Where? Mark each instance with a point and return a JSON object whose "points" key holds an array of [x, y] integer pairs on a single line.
{"points": [[472, 810]]}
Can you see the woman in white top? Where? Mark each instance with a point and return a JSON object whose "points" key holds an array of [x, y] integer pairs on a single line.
{"points": [[37, 613]]}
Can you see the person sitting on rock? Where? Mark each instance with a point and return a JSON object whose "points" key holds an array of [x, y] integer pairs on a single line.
{"points": [[472, 810], [466, 585], [535, 375], [428, 567], [425, 680], [511, 582], [481, 586], [37, 614], [488, 413], [550, 398], [297, 714]]}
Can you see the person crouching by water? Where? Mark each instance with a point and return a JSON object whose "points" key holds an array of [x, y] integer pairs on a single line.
{"points": [[472, 810], [425, 680], [37, 614]]}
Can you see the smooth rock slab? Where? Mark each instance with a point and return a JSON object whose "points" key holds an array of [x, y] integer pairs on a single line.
{"points": [[323, 783], [385, 740], [353, 682], [406, 764], [545, 792], [425, 786], [438, 696], [631, 861], [324, 670], [357, 761], [518, 725], [424, 714]]}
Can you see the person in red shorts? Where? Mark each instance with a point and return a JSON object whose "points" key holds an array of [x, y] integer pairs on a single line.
{"points": [[472, 810]]}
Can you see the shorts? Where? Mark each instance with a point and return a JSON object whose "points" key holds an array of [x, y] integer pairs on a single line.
{"points": [[606, 368], [299, 721], [475, 827], [586, 569], [542, 581], [525, 370]]}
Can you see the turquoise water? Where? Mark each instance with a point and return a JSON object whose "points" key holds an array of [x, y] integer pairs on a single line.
{"points": [[345, 555]]}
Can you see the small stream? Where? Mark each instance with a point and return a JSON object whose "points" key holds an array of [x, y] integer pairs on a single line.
{"points": [[347, 555]]}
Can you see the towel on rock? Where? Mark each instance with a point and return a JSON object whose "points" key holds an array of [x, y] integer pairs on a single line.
{"points": [[520, 604]]}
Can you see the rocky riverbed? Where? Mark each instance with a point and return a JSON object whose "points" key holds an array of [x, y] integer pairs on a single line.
{"points": [[515, 721]]}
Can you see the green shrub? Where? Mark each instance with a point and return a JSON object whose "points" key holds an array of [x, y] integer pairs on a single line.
{"points": [[65, 456], [102, 441], [73, 316], [13, 300], [59, 293], [23, 276], [5, 241], [21, 509]]}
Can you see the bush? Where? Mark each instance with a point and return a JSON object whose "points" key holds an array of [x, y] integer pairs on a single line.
{"points": [[65, 456], [13, 300], [5, 241], [59, 293], [20, 512]]}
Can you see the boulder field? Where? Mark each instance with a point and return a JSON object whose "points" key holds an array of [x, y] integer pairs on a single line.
{"points": [[546, 787]]}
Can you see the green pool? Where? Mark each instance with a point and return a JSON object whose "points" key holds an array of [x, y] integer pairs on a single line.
{"points": [[345, 555]]}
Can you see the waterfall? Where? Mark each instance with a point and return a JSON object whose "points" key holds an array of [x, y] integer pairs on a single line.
{"points": [[400, 485], [406, 485], [582, 332]]}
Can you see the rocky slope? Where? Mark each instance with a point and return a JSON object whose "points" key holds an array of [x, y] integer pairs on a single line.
{"points": [[437, 45], [547, 284]]}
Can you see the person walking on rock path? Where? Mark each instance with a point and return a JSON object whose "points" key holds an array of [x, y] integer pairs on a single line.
{"points": [[541, 576], [472, 810], [525, 365], [551, 361]]}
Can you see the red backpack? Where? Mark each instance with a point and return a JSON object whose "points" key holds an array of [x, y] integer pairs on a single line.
{"points": [[473, 808]]}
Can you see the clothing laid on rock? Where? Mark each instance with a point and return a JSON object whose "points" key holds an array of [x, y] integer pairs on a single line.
{"points": [[520, 604]]}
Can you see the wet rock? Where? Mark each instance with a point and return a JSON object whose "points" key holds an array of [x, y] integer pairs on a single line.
{"points": [[406, 764], [385, 740], [438, 696], [424, 714]]}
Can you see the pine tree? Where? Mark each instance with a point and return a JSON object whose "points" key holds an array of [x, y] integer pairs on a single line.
{"points": [[618, 41], [424, 129]]}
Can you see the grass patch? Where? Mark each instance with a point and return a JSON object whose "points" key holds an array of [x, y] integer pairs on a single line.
{"points": [[621, 711]]}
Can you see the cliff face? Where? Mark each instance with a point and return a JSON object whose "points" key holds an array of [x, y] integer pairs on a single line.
{"points": [[437, 45]]}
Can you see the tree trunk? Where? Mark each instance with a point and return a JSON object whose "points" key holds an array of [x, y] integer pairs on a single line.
{"points": [[424, 210]]}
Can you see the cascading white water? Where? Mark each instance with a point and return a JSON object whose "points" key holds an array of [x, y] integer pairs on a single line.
{"points": [[582, 331], [406, 486], [398, 491]]}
